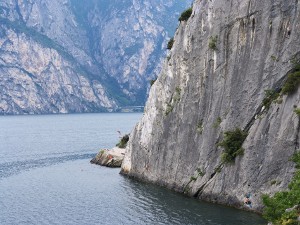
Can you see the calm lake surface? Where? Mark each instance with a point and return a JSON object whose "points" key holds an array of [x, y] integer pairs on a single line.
{"points": [[46, 178]]}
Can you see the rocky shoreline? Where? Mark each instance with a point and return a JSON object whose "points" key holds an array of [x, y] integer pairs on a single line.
{"points": [[109, 157]]}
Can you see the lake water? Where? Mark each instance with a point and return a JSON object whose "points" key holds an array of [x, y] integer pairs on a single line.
{"points": [[46, 178]]}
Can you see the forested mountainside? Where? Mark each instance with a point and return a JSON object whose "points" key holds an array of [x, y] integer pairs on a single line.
{"points": [[67, 56]]}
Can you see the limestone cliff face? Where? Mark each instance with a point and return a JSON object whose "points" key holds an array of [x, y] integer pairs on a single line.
{"points": [[35, 79], [81, 56], [223, 59]]}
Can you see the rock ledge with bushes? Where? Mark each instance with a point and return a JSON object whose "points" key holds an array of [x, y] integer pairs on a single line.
{"points": [[110, 157]]}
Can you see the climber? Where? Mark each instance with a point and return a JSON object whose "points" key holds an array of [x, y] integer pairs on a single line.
{"points": [[247, 200]]}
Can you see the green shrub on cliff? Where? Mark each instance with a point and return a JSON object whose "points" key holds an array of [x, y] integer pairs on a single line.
{"points": [[174, 100], [170, 43], [169, 109], [193, 178], [293, 81], [297, 111], [123, 141], [296, 159], [212, 43], [177, 94], [217, 122], [232, 144], [275, 207], [200, 127], [270, 96], [152, 81], [200, 172], [186, 14]]}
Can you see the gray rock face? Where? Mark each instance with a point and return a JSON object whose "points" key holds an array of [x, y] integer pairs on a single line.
{"points": [[223, 59], [81, 56]]}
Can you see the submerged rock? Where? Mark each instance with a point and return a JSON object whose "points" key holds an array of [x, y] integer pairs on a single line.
{"points": [[109, 157]]}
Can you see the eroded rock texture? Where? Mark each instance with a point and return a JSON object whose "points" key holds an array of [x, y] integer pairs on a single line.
{"points": [[223, 59]]}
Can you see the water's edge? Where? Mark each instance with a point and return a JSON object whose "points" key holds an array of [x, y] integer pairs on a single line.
{"points": [[46, 178]]}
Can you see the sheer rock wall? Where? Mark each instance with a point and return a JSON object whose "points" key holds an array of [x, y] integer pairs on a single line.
{"points": [[205, 90]]}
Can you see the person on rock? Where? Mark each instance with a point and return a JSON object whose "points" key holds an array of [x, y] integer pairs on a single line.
{"points": [[247, 200]]}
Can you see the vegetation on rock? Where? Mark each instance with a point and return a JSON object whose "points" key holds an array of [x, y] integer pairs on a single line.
{"points": [[296, 159], [175, 98], [200, 127], [123, 141], [273, 182], [217, 122], [232, 144], [193, 178], [212, 44], [270, 96], [293, 81], [200, 172], [152, 81], [284, 206], [177, 94], [170, 43], [297, 111], [274, 58], [169, 109], [289, 87], [186, 14]]}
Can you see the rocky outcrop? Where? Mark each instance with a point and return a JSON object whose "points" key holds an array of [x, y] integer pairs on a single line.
{"points": [[69, 56], [110, 158], [223, 61]]}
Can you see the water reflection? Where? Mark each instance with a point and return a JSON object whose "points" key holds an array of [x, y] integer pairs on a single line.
{"points": [[158, 205]]}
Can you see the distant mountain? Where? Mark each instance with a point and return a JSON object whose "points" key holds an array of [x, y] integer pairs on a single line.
{"points": [[67, 56]]}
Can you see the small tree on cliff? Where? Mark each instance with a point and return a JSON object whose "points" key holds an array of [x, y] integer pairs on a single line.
{"points": [[123, 141]]}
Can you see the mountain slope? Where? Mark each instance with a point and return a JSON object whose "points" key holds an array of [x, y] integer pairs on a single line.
{"points": [[80, 56], [225, 71]]}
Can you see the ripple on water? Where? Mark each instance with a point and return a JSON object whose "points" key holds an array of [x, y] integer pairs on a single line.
{"points": [[11, 168], [46, 178]]}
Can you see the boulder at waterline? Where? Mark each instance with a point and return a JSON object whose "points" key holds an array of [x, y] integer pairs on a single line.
{"points": [[109, 157]]}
